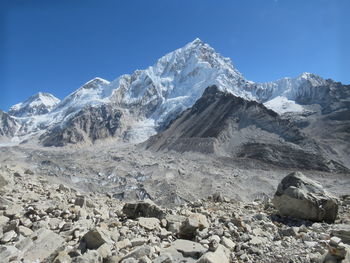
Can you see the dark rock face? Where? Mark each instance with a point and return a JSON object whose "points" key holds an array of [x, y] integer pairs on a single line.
{"points": [[89, 124], [8, 125], [300, 197], [143, 209], [226, 125]]}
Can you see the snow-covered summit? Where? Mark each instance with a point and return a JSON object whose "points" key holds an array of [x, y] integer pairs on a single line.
{"points": [[94, 91], [291, 88], [37, 104], [177, 80]]}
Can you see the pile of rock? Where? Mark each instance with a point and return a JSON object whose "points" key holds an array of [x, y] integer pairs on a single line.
{"points": [[44, 222]]}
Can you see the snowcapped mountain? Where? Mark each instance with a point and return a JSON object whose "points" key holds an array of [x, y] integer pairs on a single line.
{"points": [[148, 100], [176, 81], [37, 104]]}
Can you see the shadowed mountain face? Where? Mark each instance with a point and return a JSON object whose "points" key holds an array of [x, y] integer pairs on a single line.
{"points": [[89, 124], [8, 125], [226, 125]]}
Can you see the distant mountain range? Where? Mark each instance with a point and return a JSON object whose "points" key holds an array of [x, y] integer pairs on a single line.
{"points": [[251, 120]]}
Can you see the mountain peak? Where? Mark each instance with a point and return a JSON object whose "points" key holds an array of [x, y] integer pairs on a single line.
{"points": [[37, 104], [95, 83], [195, 43]]}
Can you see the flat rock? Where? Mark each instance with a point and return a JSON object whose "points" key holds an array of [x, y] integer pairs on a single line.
{"points": [[170, 254], [8, 253], [25, 231], [188, 248], [138, 252], [149, 223]]}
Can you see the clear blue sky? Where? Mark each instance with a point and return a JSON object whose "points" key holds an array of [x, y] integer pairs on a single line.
{"points": [[56, 46]]}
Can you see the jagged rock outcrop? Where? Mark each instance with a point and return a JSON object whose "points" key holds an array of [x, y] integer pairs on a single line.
{"points": [[226, 125], [88, 125], [300, 197]]}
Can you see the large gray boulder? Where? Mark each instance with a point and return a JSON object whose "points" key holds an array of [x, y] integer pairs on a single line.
{"points": [[96, 238], [300, 197], [45, 244]]}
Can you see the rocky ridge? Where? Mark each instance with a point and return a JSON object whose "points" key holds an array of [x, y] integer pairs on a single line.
{"points": [[43, 221], [226, 125]]}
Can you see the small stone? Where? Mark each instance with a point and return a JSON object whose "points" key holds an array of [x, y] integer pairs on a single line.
{"points": [[63, 188], [8, 236], [25, 231], [228, 243], [138, 241]]}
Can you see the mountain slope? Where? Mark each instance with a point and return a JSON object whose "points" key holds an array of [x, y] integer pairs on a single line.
{"points": [[37, 104], [226, 125]]}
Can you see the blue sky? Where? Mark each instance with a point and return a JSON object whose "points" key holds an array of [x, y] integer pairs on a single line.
{"points": [[56, 46]]}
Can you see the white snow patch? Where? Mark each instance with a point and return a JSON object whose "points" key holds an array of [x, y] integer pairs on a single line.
{"points": [[282, 105]]}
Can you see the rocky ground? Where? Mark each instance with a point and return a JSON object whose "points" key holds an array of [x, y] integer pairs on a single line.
{"points": [[45, 221]]}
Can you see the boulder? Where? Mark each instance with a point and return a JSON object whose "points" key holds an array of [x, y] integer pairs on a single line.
{"points": [[191, 224], [96, 238], [174, 222], [45, 244], [144, 208], [300, 197]]}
